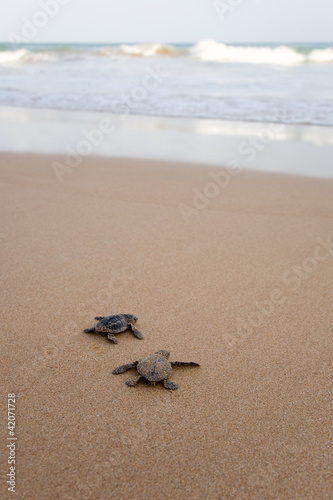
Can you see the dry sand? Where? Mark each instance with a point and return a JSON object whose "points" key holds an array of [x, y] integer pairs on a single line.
{"points": [[255, 420]]}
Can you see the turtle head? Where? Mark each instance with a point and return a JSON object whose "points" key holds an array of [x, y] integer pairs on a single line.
{"points": [[130, 318], [164, 354]]}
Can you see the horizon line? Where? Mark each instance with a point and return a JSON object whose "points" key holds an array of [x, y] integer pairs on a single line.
{"points": [[161, 42]]}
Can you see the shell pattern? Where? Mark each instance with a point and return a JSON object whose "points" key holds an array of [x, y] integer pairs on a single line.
{"points": [[115, 324], [155, 368]]}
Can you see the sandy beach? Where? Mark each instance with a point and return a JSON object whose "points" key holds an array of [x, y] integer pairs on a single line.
{"points": [[242, 285]]}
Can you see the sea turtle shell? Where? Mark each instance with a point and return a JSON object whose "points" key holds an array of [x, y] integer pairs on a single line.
{"points": [[116, 323], [155, 367]]}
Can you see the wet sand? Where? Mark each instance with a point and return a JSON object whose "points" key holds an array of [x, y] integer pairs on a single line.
{"points": [[242, 284]]}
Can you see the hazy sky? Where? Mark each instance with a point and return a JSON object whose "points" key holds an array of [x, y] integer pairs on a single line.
{"points": [[170, 20]]}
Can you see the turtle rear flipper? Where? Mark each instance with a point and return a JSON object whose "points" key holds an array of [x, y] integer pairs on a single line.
{"points": [[170, 385], [133, 381], [112, 338], [89, 330], [124, 368], [136, 332]]}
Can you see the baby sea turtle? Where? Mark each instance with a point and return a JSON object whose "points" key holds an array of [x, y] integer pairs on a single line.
{"points": [[155, 368], [117, 323]]}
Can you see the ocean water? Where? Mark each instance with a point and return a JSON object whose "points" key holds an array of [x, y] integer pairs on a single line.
{"points": [[263, 82]]}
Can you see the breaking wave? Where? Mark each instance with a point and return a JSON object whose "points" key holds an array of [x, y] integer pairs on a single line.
{"points": [[205, 50], [209, 50], [24, 56], [149, 50], [321, 56], [141, 50]]}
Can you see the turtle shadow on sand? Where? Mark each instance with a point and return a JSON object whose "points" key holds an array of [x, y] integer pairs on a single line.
{"points": [[153, 368], [112, 325]]}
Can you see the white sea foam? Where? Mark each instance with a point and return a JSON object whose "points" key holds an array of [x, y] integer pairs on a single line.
{"points": [[321, 55], [148, 50], [24, 56], [12, 56], [241, 83], [209, 50], [205, 50]]}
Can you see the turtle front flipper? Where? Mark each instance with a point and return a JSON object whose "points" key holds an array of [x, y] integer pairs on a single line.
{"points": [[184, 363], [124, 368], [99, 318], [136, 332], [112, 338], [133, 381], [89, 330], [169, 385]]}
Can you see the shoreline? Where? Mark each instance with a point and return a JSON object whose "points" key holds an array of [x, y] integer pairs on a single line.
{"points": [[219, 173], [176, 117], [263, 147]]}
